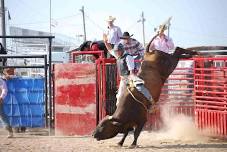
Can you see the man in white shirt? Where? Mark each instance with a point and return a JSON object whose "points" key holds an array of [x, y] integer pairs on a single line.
{"points": [[114, 32], [125, 65], [3, 93], [162, 42]]}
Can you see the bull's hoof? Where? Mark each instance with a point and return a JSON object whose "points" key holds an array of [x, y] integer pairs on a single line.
{"points": [[120, 144], [132, 146]]}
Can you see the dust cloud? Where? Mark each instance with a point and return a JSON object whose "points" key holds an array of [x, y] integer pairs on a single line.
{"points": [[178, 127]]}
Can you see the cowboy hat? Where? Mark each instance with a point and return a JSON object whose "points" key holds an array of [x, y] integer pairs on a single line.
{"points": [[110, 19], [162, 28], [126, 35]]}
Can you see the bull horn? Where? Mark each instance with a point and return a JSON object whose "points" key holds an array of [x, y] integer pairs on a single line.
{"points": [[110, 117]]}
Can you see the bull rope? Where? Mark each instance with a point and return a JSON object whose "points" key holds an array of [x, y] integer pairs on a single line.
{"points": [[145, 107]]}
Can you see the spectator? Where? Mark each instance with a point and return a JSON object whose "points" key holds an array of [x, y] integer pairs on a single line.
{"points": [[161, 42], [114, 32], [3, 93]]}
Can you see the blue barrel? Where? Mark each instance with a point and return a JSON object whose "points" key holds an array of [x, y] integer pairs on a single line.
{"points": [[25, 102]]}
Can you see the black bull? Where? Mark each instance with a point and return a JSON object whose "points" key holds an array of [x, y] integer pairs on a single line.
{"points": [[131, 114]]}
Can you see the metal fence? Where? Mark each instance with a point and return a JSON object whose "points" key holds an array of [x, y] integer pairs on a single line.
{"points": [[210, 95], [47, 66]]}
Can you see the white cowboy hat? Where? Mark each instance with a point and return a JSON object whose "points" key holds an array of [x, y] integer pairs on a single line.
{"points": [[110, 18], [162, 27]]}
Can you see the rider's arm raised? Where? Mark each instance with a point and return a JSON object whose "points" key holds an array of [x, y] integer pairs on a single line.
{"points": [[108, 45]]}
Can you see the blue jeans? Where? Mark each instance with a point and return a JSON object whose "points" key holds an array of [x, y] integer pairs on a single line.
{"points": [[3, 116]]}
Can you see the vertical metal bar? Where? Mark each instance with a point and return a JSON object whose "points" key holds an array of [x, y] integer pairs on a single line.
{"points": [[97, 89], [100, 89], [73, 58], [218, 123], [211, 121], [196, 118], [50, 79], [225, 123], [104, 88], [203, 120], [200, 119], [225, 97], [222, 123], [84, 27], [208, 120], [3, 24], [53, 96], [214, 123], [142, 21], [194, 92], [50, 18], [205, 123], [46, 93]]}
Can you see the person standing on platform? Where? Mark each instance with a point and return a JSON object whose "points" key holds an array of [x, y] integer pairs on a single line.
{"points": [[3, 93]]}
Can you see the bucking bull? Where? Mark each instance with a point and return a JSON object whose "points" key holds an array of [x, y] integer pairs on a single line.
{"points": [[131, 112]]}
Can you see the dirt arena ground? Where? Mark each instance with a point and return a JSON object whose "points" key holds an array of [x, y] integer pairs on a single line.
{"points": [[148, 141], [179, 134]]}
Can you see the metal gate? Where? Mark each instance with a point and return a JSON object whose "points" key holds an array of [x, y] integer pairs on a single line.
{"points": [[107, 87], [47, 66], [210, 95]]}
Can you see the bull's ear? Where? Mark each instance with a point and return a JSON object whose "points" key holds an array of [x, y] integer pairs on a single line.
{"points": [[115, 123]]}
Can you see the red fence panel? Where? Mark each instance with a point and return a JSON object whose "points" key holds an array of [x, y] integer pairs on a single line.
{"points": [[176, 96], [75, 99], [210, 79]]}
